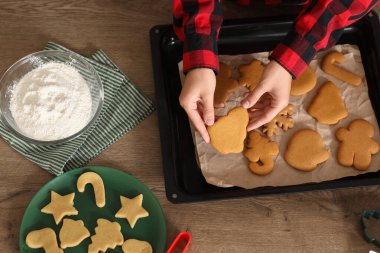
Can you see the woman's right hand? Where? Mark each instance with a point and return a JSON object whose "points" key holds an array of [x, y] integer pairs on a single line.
{"points": [[197, 99]]}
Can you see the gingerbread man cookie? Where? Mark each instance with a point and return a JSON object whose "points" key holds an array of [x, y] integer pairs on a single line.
{"points": [[250, 74], [356, 144], [224, 84], [260, 152]]}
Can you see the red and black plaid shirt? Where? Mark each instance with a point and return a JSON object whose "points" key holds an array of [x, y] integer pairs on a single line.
{"points": [[319, 25]]}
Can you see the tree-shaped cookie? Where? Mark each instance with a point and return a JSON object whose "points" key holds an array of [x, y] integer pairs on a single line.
{"points": [[327, 106], [305, 150], [228, 133], [250, 74], [224, 84], [283, 120], [107, 236], [260, 152], [72, 233], [356, 144]]}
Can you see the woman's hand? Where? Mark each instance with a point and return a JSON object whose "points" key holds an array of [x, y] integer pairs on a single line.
{"points": [[197, 97], [270, 96]]}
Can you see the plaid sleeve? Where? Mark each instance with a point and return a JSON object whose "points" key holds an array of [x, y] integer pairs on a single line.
{"points": [[197, 24], [318, 27]]}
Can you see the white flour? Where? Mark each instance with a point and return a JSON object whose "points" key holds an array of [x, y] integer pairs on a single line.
{"points": [[51, 102]]}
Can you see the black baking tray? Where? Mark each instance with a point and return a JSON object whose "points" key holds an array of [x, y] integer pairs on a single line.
{"points": [[184, 181]]}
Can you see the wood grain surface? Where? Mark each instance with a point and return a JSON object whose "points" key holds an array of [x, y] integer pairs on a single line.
{"points": [[322, 221]]}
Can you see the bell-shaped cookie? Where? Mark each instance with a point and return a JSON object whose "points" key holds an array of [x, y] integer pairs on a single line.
{"points": [[327, 106]]}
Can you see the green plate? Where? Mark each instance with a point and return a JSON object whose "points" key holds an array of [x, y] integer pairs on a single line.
{"points": [[151, 229]]}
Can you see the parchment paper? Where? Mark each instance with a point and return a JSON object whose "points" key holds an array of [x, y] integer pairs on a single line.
{"points": [[232, 169]]}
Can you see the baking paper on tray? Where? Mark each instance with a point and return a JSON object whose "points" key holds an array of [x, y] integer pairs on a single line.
{"points": [[232, 169]]}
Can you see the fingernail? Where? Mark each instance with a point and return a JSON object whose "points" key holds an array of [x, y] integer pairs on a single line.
{"points": [[209, 122], [246, 104]]}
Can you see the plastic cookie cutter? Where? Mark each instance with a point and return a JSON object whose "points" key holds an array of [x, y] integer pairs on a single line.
{"points": [[180, 244], [365, 217]]}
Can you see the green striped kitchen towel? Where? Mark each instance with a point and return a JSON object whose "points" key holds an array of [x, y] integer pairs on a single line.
{"points": [[124, 107]]}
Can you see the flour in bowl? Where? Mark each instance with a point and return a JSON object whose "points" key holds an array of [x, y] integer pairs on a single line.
{"points": [[51, 102]]}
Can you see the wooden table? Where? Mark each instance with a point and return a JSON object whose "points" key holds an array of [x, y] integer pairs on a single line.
{"points": [[323, 221]]}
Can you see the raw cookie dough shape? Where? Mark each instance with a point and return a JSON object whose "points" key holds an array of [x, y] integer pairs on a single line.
{"points": [[44, 238], [260, 152], [136, 246], [97, 183], [327, 106], [304, 83], [60, 206], [228, 133], [283, 120], [305, 150], [107, 236], [72, 233], [132, 210], [224, 83], [328, 66], [250, 74], [356, 144]]}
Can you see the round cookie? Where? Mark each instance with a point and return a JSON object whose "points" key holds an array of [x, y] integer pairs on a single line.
{"points": [[305, 150], [304, 83], [328, 65]]}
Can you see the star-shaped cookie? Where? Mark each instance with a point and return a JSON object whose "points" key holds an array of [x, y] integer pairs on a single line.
{"points": [[132, 209], [60, 206]]}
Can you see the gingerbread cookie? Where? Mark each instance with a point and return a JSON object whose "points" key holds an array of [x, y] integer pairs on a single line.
{"points": [[132, 209], [136, 246], [250, 74], [283, 120], [228, 132], [260, 153], [60, 206], [305, 150], [356, 144], [97, 183], [224, 84], [107, 236], [72, 233], [44, 238], [327, 106], [328, 65], [304, 83]]}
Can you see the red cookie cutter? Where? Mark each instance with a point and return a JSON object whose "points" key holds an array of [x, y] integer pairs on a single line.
{"points": [[180, 244]]}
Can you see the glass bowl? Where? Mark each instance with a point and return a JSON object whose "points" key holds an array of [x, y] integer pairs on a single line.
{"points": [[35, 60]]}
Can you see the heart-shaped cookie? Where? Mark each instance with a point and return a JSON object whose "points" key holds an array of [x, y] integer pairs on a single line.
{"points": [[305, 150], [228, 133]]}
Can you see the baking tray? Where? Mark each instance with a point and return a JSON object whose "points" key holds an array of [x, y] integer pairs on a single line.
{"points": [[184, 181]]}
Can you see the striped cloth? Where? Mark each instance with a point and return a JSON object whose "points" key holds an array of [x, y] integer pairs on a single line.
{"points": [[124, 107]]}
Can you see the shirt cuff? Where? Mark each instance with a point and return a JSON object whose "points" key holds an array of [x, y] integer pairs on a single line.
{"points": [[294, 54]]}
